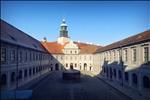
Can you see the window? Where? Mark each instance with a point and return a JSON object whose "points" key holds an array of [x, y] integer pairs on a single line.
{"points": [[75, 58], [26, 56], [126, 76], [13, 77], [70, 52], [33, 56], [75, 52], [75, 65], [90, 57], [125, 55], [25, 73], [3, 79], [20, 56], [70, 57], [30, 72], [134, 78], [146, 82], [134, 55], [3, 54], [120, 74], [12, 55], [30, 56], [146, 54], [66, 65], [61, 57], [114, 72], [20, 74], [84, 57]]}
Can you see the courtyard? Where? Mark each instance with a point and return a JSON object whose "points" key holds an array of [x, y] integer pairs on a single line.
{"points": [[53, 87]]}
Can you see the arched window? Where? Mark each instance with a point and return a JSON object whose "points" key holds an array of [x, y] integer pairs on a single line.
{"points": [[36, 69], [25, 73], [66, 65], [110, 72], [126, 76], [146, 82], [107, 71], [85, 66], [120, 75], [56, 66], [3, 79], [90, 67], [12, 76], [51, 67], [71, 66], [114, 70], [33, 70], [20, 74], [30, 72], [75, 65], [134, 78], [104, 69]]}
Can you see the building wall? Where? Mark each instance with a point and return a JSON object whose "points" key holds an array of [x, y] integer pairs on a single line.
{"points": [[27, 62], [127, 65]]}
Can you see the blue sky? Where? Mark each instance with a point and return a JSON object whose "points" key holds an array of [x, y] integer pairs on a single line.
{"points": [[99, 22]]}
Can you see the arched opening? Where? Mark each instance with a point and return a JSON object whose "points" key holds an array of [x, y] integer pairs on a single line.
{"points": [[114, 70], [75, 65], [71, 66], [126, 76], [25, 73], [33, 70], [85, 66], [107, 71], [104, 69], [30, 72], [56, 66], [3, 79], [20, 74], [120, 75], [66, 65], [13, 77], [51, 67], [146, 82], [134, 78], [110, 72], [90, 68]]}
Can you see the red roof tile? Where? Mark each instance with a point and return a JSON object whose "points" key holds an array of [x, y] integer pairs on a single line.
{"points": [[55, 48]]}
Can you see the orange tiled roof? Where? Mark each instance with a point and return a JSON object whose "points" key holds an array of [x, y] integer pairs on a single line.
{"points": [[55, 48], [141, 37]]}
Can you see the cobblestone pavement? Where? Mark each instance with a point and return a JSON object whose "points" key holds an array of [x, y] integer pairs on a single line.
{"points": [[89, 88]]}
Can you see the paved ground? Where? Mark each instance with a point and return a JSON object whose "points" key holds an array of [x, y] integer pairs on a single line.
{"points": [[89, 88]]}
